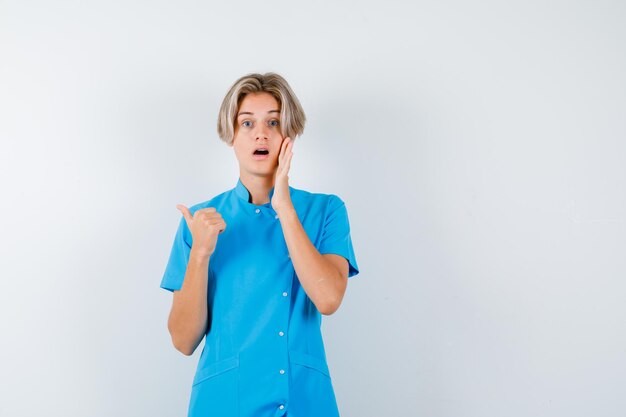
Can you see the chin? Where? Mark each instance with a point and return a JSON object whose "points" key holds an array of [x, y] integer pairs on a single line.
{"points": [[262, 172]]}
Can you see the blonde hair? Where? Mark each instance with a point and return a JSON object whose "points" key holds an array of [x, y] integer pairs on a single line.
{"points": [[292, 118]]}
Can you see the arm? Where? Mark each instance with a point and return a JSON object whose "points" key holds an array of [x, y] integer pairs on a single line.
{"points": [[188, 317], [188, 321], [323, 277]]}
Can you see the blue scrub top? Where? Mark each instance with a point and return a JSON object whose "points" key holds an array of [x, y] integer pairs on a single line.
{"points": [[263, 353]]}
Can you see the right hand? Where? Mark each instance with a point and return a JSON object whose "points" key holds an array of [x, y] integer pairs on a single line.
{"points": [[205, 225]]}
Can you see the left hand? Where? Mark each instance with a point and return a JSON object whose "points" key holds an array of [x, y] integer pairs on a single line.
{"points": [[281, 200]]}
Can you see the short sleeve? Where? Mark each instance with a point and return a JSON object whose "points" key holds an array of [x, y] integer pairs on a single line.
{"points": [[179, 257], [336, 233]]}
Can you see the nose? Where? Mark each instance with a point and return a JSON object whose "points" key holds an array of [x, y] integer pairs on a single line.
{"points": [[262, 132]]}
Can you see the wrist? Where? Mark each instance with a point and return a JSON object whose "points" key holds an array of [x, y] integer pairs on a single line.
{"points": [[287, 213], [199, 255]]}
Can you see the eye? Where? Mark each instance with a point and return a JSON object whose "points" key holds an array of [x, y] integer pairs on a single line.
{"points": [[247, 121], [274, 120]]}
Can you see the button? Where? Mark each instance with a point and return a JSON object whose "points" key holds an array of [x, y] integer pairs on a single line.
{"points": [[282, 371], [285, 294], [276, 216], [281, 406], [257, 210], [281, 333], [288, 256]]}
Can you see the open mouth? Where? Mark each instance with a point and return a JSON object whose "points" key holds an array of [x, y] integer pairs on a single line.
{"points": [[261, 153]]}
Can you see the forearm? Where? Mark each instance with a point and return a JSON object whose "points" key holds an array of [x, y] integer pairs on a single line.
{"points": [[188, 318], [319, 279]]}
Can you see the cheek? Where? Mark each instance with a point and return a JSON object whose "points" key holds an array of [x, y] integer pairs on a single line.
{"points": [[238, 152]]}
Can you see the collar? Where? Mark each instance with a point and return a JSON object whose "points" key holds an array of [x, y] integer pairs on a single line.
{"points": [[243, 193]]}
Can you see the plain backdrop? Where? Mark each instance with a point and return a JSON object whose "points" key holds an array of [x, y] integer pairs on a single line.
{"points": [[479, 148]]}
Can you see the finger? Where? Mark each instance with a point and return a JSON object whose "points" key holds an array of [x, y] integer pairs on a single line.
{"points": [[209, 212], [287, 142], [287, 148], [283, 146], [214, 220], [290, 151], [186, 213], [288, 162], [220, 225]]}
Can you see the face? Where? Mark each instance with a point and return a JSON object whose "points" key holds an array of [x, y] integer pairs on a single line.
{"points": [[258, 126]]}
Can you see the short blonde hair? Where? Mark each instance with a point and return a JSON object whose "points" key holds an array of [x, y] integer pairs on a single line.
{"points": [[292, 118]]}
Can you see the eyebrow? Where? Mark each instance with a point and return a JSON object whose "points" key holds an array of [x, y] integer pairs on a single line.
{"points": [[247, 112]]}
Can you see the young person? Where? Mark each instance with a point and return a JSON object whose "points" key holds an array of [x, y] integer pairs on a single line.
{"points": [[253, 269]]}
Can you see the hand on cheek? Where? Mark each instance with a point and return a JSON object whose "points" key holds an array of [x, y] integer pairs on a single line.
{"points": [[281, 199]]}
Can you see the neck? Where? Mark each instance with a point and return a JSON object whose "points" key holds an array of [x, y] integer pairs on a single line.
{"points": [[258, 186]]}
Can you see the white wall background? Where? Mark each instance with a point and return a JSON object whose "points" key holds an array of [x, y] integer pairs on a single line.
{"points": [[479, 148]]}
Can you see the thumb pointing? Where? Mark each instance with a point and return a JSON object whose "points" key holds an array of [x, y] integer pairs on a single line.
{"points": [[186, 213]]}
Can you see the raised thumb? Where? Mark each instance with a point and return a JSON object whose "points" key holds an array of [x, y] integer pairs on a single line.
{"points": [[186, 213]]}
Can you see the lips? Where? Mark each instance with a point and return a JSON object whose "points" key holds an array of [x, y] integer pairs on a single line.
{"points": [[261, 150], [260, 153]]}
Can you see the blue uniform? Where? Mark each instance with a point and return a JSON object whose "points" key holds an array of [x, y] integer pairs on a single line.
{"points": [[263, 354]]}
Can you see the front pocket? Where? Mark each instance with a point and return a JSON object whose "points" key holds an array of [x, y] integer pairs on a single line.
{"points": [[214, 369], [311, 390], [215, 390], [309, 361]]}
